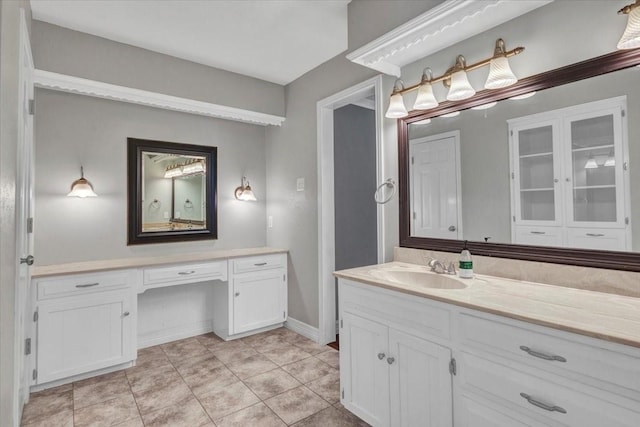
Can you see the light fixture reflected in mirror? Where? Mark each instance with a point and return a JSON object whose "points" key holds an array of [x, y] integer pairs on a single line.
{"points": [[591, 163], [244, 192], [631, 37], [449, 115], [611, 160], [523, 96], [485, 106], [81, 187], [396, 108]]}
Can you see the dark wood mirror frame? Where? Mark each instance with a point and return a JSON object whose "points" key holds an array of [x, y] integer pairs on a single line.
{"points": [[135, 148], [604, 64]]}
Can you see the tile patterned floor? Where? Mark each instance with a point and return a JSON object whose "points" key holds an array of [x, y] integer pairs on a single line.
{"points": [[276, 378]]}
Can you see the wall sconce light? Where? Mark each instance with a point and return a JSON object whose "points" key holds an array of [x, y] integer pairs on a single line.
{"points": [[500, 76], [611, 160], [631, 37], [591, 163], [244, 192], [81, 187]]}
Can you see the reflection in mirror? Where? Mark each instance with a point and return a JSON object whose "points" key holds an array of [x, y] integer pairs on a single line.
{"points": [[555, 169], [172, 191]]}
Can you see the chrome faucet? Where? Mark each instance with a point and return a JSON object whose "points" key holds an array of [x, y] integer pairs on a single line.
{"points": [[439, 268]]}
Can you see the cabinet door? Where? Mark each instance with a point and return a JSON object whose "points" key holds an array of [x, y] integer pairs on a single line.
{"points": [[536, 173], [420, 382], [82, 334], [364, 371], [259, 300], [594, 153]]}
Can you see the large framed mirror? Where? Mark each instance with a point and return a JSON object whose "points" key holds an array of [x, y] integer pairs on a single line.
{"points": [[554, 177], [171, 192]]}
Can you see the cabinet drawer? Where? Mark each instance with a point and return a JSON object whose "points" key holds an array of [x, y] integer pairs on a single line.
{"points": [[563, 401], [257, 263], [534, 348], [185, 273], [597, 238], [78, 284], [532, 235]]}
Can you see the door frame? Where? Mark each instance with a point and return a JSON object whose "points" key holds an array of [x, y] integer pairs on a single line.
{"points": [[326, 198], [455, 134]]}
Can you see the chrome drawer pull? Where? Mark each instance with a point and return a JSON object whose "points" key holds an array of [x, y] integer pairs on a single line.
{"points": [[541, 355], [390, 360], [381, 356], [88, 285], [595, 235], [550, 408], [260, 264], [186, 273], [538, 232], [125, 314]]}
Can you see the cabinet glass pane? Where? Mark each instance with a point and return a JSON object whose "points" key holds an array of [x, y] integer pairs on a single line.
{"points": [[536, 172], [594, 167], [592, 132], [537, 205], [594, 204], [535, 141]]}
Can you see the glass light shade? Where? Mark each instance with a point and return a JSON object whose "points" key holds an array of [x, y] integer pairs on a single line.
{"points": [[396, 108], [194, 167], [173, 172], [449, 115], [631, 37], [460, 87], [422, 122], [247, 195], [591, 163], [425, 98], [500, 74], [523, 96], [485, 106], [611, 161], [82, 188]]}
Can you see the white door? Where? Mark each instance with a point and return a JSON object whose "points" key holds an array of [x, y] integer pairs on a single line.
{"points": [[435, 186], [364, 370], [420, 381], [24, 215], [258, 300]]}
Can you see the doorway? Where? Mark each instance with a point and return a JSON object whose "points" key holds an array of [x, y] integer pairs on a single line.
{"points": [[360, 101]]}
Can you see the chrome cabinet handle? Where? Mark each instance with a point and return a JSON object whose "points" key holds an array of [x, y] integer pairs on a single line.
{"points": [[546, 407], [538, 232], [452, 228], [29, 259], [595, 234], [88, 285], [390, 360], [237, 294], [186, 273], [259, 264], [541, 355], [381, 356], [125, 314]]}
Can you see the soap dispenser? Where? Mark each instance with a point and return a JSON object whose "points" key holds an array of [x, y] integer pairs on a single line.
{"points": [[465, 268]]}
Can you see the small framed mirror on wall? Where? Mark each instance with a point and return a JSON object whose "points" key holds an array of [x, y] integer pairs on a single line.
{"points": [[171, 192]]}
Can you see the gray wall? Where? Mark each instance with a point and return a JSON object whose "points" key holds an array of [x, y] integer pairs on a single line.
{"points": [[292, 152], [354, 152], [71, 130], [79, 54], [9, 68]]}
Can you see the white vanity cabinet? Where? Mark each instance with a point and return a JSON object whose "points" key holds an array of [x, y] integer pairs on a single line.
{"points": [[390, 371], [255, 296], [83, 323], [569, 177]]}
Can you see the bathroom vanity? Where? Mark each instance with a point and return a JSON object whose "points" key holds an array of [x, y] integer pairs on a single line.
{"points": [[421, 349], [86, 314]]}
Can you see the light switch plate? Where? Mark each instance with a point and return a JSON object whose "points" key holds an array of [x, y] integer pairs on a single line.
{"points": [[300, 184]]}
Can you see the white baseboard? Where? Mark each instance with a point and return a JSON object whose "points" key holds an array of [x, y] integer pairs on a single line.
{"points": [[302, 328], [174, 334]]}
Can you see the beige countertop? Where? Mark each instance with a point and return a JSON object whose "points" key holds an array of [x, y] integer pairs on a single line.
{"points": [[605, 316], [116, 264]]}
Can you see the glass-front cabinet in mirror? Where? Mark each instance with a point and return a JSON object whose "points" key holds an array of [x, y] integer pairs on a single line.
{"points": [[172, 194]]}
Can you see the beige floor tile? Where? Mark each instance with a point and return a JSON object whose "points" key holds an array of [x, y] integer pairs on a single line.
{"points": [[331, 417], [108, 413], [264, 341], [153, 399], [99, 379], [331, 357], [209, 339], [286, 355], [184, 349], [271, 383], [309, 346], [152, 378], [47, 404], [63, 418], [258, 415], [308, 369], [99, 392], [213, 379], [297, 404], [53, 390], [150, 358], [186, 414], [199, 365], [327, 387], [227, 400], [233, 352], [134, 422], [251, 366], [285, 333]]}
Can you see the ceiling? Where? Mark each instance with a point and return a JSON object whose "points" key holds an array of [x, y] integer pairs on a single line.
{"points": [[276, 40]]}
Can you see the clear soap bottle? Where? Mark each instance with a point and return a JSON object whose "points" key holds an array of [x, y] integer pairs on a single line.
{"points": [[465, 267]]}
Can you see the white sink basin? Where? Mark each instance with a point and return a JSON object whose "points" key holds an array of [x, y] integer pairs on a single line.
{"points": [[419, 278]]}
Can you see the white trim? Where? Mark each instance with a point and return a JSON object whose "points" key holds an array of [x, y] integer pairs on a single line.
{"points": [[302, 328], [326, 221], [365, 103], [437, 29], [80, 86]]}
